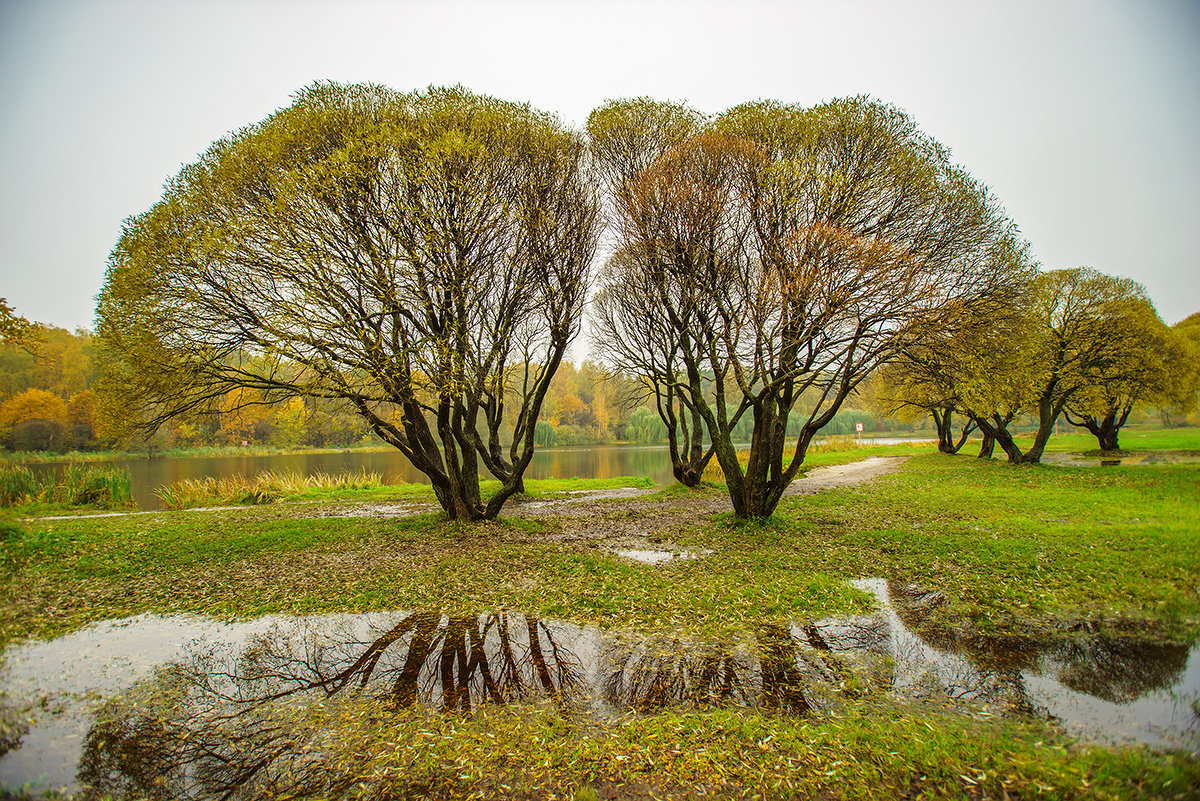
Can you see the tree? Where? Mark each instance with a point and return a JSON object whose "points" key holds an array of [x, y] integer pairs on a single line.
{"points": [[81, 418], [1146, 372], [1072, 330], [952, 368], [34, 420], [640, 308], [419, 257], [247, 417], [904, 391], [787, 251], [15, 329], [1182, 393], [57, 361], [645, 427]]}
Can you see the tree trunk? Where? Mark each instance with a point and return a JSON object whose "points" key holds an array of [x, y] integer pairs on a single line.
{"points": [[684, 441], [995, 428], [1048, 412], [945, 431], [1109, 439], [1105, 429], [947, 443], [988, 446]]}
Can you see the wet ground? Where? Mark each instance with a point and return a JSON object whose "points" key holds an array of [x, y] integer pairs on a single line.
{"points": [[126, 703], [122, 703], [1120, 459]]}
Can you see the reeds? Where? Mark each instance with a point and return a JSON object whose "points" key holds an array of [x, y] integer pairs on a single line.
{"points": [[265, 487], [75, 485]]}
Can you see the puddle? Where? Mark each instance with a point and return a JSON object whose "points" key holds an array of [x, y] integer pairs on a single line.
{"points": [[649, 556], [1124, 460], [193, 708], [378, 510], [1102, 689]]}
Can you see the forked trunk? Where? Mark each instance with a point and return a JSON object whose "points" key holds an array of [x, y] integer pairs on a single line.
{"points": [[947, 443], [1105, 429]]}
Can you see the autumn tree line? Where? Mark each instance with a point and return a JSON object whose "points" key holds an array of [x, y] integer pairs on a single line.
{"points": [[422, 262], [48, 403]]}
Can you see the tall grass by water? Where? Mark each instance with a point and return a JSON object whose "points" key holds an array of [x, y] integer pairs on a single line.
{"points": [[76, 485], [265, 487]]}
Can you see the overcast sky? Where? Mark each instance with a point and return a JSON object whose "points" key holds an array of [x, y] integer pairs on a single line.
{"points": [[1083, 117]]}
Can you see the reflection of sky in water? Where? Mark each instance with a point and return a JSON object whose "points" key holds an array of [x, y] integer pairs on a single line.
{"points": [[591, 461], [494, 657], [594, 461], [1160, 717]]}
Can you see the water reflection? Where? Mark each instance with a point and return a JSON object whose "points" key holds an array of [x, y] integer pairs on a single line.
{"points": [[767, 670], [249, 713], [1125, 459], [596, 461], [1105, 687], [224, 723]]}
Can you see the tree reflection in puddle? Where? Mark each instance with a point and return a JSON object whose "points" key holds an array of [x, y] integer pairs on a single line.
{"points": [[262, 711], [265, 717]]}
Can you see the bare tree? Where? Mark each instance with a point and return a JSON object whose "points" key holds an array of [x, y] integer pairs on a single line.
{"points": [[642, 304], [419, 257], [789, 251]]}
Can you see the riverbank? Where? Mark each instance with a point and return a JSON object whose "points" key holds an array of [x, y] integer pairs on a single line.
{"points": [[1030, 554]]}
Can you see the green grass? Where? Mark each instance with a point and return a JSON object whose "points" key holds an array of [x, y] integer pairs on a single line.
{"points": [[869, 750], [1010, 547], [1014, 550], [1015, 546], [1132, 438]]}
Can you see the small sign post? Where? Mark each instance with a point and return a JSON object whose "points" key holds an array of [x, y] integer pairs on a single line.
{"points": [[858, 430]]}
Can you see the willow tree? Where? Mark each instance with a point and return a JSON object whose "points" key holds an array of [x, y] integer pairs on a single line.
{"points": [[790, 249], [1071, 332], [1144, 373], [640, 308], [421, 258], [936, 370]]}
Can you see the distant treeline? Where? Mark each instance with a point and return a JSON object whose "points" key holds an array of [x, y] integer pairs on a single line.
{"points": [[48, 402]]}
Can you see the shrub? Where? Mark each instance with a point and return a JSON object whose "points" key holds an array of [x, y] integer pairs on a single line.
{"points": [[76, 485], [264, 488]]}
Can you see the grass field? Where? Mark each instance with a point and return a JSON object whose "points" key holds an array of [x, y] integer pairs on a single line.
{"points": [[1014, 551]]}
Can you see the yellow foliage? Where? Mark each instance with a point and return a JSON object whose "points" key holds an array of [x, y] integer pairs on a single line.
{"points": [[32, 404]]}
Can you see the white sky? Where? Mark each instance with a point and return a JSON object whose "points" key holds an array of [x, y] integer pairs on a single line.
{"points": [[1083, 117]]}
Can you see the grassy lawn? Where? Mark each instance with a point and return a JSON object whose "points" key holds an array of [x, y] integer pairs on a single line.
{"points": [[1012, 549]]}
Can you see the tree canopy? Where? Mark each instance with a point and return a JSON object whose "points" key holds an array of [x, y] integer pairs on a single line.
{"points": [[781, 253], [1070, 332], [422, 258]]}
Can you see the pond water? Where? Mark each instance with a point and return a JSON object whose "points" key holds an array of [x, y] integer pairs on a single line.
{"points": [[593, 461], [589, 461], [1125, 459], [195, 708]]}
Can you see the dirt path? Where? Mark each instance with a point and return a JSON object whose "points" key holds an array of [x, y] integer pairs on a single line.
{"points": [[616, 519], [844, 475], [611, 514]]}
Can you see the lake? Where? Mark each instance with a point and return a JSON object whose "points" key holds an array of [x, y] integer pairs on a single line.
{"points": [[587, 461], [592, 461]]}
